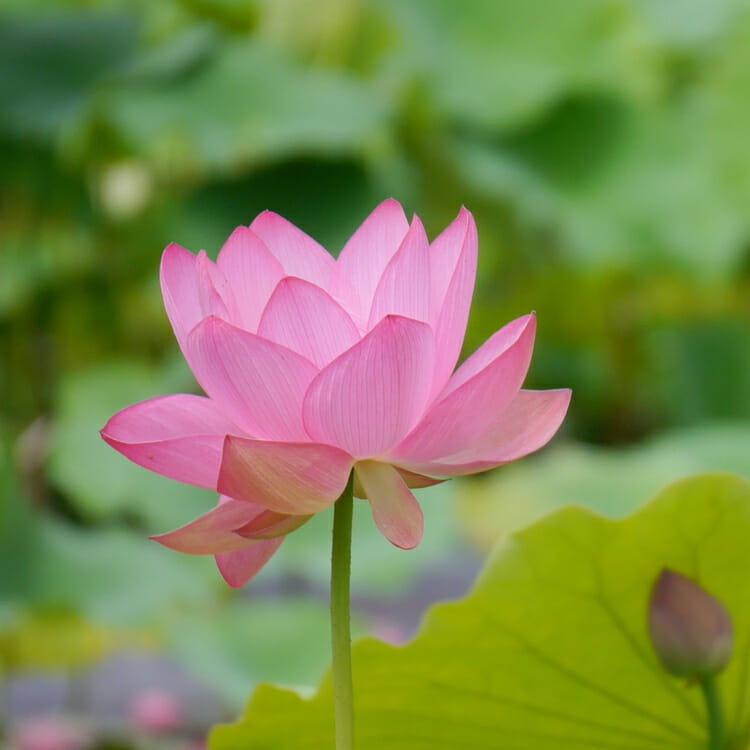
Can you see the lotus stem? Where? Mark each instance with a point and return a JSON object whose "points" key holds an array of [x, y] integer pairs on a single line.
{"points": [[341, 640], [714, 714]]}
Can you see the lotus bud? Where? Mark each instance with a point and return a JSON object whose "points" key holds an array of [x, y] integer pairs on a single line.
{"points": [[691, 631]]}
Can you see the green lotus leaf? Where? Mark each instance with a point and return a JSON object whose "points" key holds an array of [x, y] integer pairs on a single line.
{"points": [[551, 647]]}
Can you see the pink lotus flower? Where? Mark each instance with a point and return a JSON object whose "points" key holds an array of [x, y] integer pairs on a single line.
{"points": [[314, 367]]}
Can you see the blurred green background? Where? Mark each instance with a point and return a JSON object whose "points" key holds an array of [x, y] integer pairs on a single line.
{"points": [[602, 146]]}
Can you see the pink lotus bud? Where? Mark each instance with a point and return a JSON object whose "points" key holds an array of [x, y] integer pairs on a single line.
{"points": [[50, 733], [691, 630], [156, 712]]}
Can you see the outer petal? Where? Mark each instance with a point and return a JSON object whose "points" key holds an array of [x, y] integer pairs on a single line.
{"points": [[396, 511], [179, 436], [306, 319], [299, 254], [413, 481], [252, 272], [294, 478], [237, 568], [270, 524], [260, 383], [214, 532], [453, 269], [528, 424], [371, 396], [404, 288], [482, 388], [365, 256]]}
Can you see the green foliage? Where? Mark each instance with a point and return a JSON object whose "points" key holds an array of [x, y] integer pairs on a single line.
{"points": [[551, 647], [49, 66], [246, 105]]}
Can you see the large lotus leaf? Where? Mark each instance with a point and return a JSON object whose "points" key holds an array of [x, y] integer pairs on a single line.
{"points": [[611, 481], [551, 647]]}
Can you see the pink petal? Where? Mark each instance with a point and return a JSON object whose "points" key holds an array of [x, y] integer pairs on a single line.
{"points": [[528, 424], [237, 568], [294, 478], [396, 511], [306, 319], [179, 287], [417, 481], [453, 271], [482, 388], [299, 254], [270, 524], [253, 273], [372, 395], [260, 383], [214, 292], [404, 287], [364, 258], [214, 532], [506, 340], [193, 288], [179, 436]]}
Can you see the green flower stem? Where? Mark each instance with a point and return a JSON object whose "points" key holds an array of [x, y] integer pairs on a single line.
{"points": [[714, 713], [341, 558]]}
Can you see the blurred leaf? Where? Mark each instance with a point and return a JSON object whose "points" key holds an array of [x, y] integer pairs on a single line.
{"points": [[497, 65], [98, 481], [283, 641], [39, 257], [701, 370], [551, 648], [248, 105], [179, 56], [113, 576], [59, 641], [49, 66], [611, 481], [639, 190], [691, 22]]}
